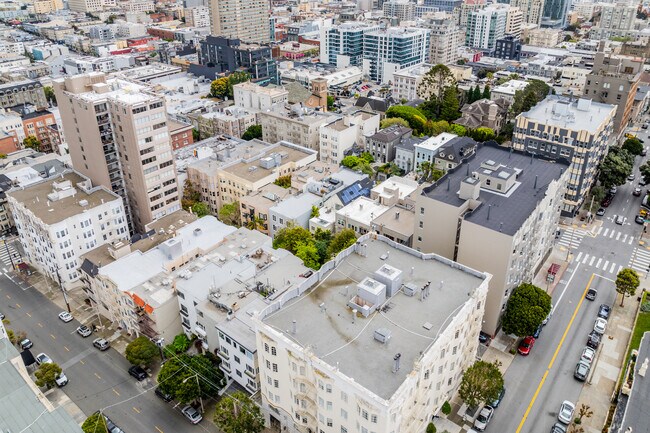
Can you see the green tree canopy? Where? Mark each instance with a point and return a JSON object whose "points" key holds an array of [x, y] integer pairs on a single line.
{"points": [[341, 241], [50, 95], [627, 281], [394, 121], [366, 156], [633, 146], [415, 118], [219, 88], [330, 102], [141, 351], [434, 82], [459, 130], [308, 253], [289, 237], [196, 135], [524, 100], [481, 383], [486, 92], [450, 107], [180, 344], [31, 142], [253, 131], [191, 195], [482, 133], [200, 209], [176, 379], [615, 168], [645, 170], [95, 423], [526, 309], [283, 181], [46, 374], [230, 214], [237, 413]]}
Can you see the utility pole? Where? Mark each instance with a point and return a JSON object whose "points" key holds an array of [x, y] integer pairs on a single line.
{"points": [[65, 295], [196, 376]]}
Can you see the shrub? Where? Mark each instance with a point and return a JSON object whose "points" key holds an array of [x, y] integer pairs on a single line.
{"points": [[446, 408]]}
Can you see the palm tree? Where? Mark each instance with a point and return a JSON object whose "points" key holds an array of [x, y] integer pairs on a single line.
{"points": [[255, 223]]}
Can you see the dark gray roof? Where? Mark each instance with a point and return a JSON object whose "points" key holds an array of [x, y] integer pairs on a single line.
{"points": [[410, 142], [507, 213], [376, 104], [89, 268], [459, 148], [390, 134], [357, 189], [636, 411]]}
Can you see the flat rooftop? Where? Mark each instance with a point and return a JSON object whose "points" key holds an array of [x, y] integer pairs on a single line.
{"points": [[414, 324], [254, 171], [508, 210], [588, 119]]}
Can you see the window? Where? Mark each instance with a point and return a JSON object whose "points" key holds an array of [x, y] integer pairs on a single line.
{"points": [[276, 384], [329, 422], [421, 224], [373, 418], [266, 348], [344, 397], [344, 414], [329, 405], [364, 414], [421, 211], [273, 351], [275, 367], [328, 388]]}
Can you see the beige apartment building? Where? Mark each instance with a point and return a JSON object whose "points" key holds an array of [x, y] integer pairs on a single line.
{"points": [[343, 133], [252, 96], [497, 212], [233, 121], [85, 5], [247, 20], [299, 125], [222, 184], [118, 136], [532, 10], [254, 207]]}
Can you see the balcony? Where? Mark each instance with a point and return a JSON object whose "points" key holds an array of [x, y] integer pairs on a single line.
{"points": [[249, 374], [225, 367], [223, 355], [251, 388]]}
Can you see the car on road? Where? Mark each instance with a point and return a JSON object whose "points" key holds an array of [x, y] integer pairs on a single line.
{"points": [[644, 126], [558, 427], [101, 344], [644, 152], [600, 325], [484, 338], [587, 355], [192, 415], [582, 371], [607, 200], [497, 401], [636, 192], [483, 418], [620, 219], [547, 318], [591, 294], [111, 427], [603, 311], [42, 358], [631, 176], [84, 331], [642, 180], [526, 345], [26, 344], [639, 219], [65, 316], [61, 380], [600, 212], [565, 415], [162, 394], [138, 372], [613, 190], [593, 340], [2, 316], [538, 332]]}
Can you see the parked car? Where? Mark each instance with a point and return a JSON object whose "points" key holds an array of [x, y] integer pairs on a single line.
{"points": [[565, 415], [61, 380], [162, 394], [101, 344], [642, 180], [600, 325], [84, 331], [639, 219], [2, 316], [593, 340], [582, 371], [600, 212], [644, 126], [42, 358], [26, 344], [591, 294], [138, 372], [483, 418], [588, 355], [603, 311], [484, 338], [637, 191], [607, 200], [192, 415], [613, 190], [111, 427], [497, 401], [65, 316], [547, 318], [644, 152], [558, 427], [526, 345], [538, 332], [631, 176], [620, 219]]}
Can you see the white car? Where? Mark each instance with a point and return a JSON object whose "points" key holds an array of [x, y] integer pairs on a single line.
{"points": [[84, 331], [483, 418], [550, 314], [65, 316], [565, 415], [600, 325], [588, 355], [42, 358], [61, 379]]}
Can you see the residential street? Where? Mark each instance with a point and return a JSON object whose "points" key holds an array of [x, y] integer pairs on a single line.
{"points": [[97, 379]]}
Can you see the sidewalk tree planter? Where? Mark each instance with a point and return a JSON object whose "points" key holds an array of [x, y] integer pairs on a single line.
{"points": [[237, 413], [526, 309], [141, 351], [446, 408], [482, 382], [627, 281], [95, 423], [46, 374]]}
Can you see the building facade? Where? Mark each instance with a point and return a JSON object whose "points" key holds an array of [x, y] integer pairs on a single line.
{"points": [[446, 37], [532, 10], [22, 92], [388, 51], [485, 26], [342, 45], [555, 13], [616, 20], [247, 20], [198, 16]]}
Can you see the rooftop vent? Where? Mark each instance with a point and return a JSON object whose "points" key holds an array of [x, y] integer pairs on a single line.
{"points": [[382, 335], [83, 203]]}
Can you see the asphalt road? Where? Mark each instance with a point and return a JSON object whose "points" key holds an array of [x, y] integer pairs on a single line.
{"points": [[538, 384], [96, 379]]}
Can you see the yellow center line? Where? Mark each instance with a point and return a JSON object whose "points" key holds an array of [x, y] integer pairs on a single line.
{"points": [[158, 428], [18, 305], [115, 391], [557, 351], [53, 337], [98, 376], [8, 297], [136, 409], [66, 348], [39, 324], [28, 314]]}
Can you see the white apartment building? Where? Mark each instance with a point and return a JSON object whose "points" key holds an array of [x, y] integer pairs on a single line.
{"points": [[341, 134], [342, 45], [390, 50], [11, 47], [135, 6], [298, 125], [402, 10], [616, 20], [507, 90], [12, 123], [532, 10], [409, 349], [514, 21], [247, 20], [252, 96], [545, 37], [60, 219], [445, 38], [427, 150], [198, 16], [85, 5], [486, 25]]}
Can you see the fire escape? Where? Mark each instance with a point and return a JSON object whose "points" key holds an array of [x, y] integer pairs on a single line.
{"points": [[146, 324]]}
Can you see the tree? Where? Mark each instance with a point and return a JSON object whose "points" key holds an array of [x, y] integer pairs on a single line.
{"points": [[476, 93], [219, 88], [236, 78], [459, 130], [289, 237], [526, 309], [200, 209], [255, 223], [583, 412], [196, 135], [209, 375], [308, 253], [180, 344], [50, 95], [415, 118], [95, 423], [598, 194], [47, 373], [330, 102], [434, 82], [446, 408], [341, 241], [486, 92], [529, 102], [350, 161], [482, 133], [645, 170], [230, 214], [394, 121], [141, 351], [615, 168], [627, 281], [449, 109], [315, 212], [436, 128], [367, 157], [283, 181], [191, 195], [431, 428], [253, 131], [237, 413], [633, 146], [175, 378], [430, 109], [32, 142], [482, 382]]}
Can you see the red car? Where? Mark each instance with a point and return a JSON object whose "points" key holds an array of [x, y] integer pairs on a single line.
{"points": [[526, 345]]}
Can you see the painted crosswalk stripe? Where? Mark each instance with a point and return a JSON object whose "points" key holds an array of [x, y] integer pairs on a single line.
{"points": [[598, 263], [579, 256], [605, 265], [600, 229], [584, 260], [591, 262], [605, 232], [624, 238], [619, 269], [611, 235], [611, 269]]}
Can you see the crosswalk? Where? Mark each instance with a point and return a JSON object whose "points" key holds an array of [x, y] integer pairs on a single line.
{"points": [[640, 260], [615, 235], [606, 266], [571, 238], [4, 254]]}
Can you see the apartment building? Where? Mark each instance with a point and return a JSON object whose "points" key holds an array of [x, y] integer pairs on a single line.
{"points": [[532, 10], [260, 165], [341, 134], [180, 134], [22, 92], [297, 125], [38, 124], [255, 207], [388, 50], [546, 37], [577, 130], [446, 36], [342, 45], [514, 21], [508, 89], [401, 10], [248, 20], [198, 16], [616, 20], [555, 13], [485, 26], [462, 12], [381, 145], [497, 211], [251, 96], [85, 6], [59, 219], [11, 123], [232, 121], [118, 136], [311, 379], [427, 150], [614, 80]]}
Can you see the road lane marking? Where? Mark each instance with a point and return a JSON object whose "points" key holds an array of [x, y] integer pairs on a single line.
{"points": [[115, 391], [605, 232], [611, 269], [136, 409], [624, 238], [66, 348], [600, 229], [98, 376], [82, 362], [555, 354], [28, 314], [8, 297], [585, 259], [611, 235], [53, 337], [579, 256], [40, 324], [591, 262], [598, 262], [618, 236], [158, 428], [18, 305], [620, 268]]}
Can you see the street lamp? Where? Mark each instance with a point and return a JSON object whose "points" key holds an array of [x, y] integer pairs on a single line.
{"points": [[65, 295], [199, 385]]}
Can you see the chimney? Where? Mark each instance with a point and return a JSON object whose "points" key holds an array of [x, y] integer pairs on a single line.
{"points": [[396, 358], [396, 215]]}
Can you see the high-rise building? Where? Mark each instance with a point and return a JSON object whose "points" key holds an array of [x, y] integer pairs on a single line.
{"points": [[389, 50], [444, 5], [554, 14], [85, 5], [118, 136], [197, 16], [402, 10], [342, 45], [514, 21], [532, 10], [485, 26], [446, 37], [616, 20], [247, 20], [461, 13]]}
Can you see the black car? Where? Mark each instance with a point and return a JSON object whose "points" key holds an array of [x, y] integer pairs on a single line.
{"points": [[642, 181], [591, 294], [639, 219], [603, 311], [600, 212], [593, 340], [162, 394], [138, 372], [484, 338], [497, 401], [111, 427]]}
